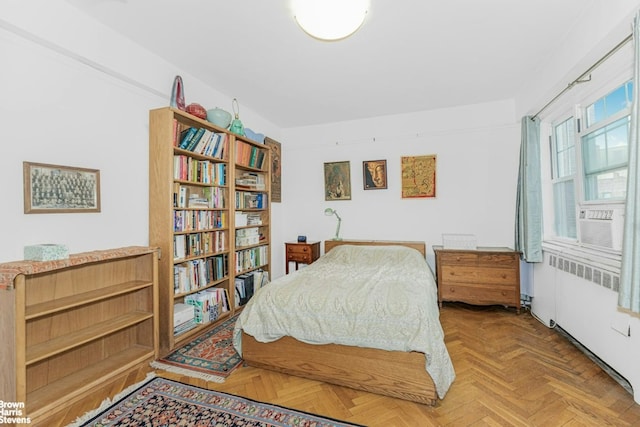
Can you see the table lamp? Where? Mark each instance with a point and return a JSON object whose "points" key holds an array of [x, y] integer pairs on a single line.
{"points": [[329, 212]]}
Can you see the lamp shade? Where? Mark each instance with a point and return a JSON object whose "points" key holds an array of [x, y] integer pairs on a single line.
{"points": [[330, 19]]}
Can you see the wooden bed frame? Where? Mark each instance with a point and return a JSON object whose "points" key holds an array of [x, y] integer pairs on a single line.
{"points": [[391, 373]]}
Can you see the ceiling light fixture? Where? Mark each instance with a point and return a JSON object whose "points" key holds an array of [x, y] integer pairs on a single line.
{"points": [[330, 20]]}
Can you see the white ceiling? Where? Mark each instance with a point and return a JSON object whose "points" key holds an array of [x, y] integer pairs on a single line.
{"points": [[410, 55]]}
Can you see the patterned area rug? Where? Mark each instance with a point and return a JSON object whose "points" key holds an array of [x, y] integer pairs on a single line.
{"points": [[163, 402], [210, 356]]}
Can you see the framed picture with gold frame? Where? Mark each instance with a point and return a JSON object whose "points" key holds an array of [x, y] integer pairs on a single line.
{"points": [[374, 174], [60, 189], [337, 181], [418, 176]]}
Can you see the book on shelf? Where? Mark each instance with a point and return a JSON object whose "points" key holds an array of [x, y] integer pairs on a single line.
{"points": [[251, 180], [251, 258], [195, 139], [248, 284], [182, 313], [181, 329], [244, 288], [203, 141], [186, 136], [249, 155], [198, 220]]}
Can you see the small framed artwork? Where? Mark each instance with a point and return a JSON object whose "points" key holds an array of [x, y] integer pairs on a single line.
{"points": [[418, 176], [60, 189], [337, 181], [276, 170], [374, 174]]}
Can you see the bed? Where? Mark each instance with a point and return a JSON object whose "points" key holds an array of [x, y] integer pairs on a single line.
{"points": [[364, 315]]}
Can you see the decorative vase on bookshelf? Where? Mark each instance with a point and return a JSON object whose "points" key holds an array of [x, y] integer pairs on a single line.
{"points": [[177, 94], [219, 117]]}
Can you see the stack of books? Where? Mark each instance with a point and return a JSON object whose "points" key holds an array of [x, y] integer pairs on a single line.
{"points": [[183, 318]]}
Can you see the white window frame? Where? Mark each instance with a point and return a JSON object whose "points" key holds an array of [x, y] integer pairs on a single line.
{"points": [[572, 107]]}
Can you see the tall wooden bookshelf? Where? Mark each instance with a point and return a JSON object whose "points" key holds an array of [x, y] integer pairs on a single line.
{"points": [[209, 214]]}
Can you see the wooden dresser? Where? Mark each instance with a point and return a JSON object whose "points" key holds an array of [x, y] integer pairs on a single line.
{"points": [[484, 276]]}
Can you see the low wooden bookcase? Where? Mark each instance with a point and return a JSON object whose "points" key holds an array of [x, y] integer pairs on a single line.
{"points": [[71, 326]]}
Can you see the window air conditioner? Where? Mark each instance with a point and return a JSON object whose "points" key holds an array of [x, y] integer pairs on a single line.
{"points": [[602, 226]]}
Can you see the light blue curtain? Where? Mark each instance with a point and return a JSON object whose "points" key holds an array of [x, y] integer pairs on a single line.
{"points": [[629, 293], [528, 233]]}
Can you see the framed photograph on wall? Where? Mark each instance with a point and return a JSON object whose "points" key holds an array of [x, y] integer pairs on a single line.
{"points": [[337, 181], [418, 176], [374, 174], [60, 189]]}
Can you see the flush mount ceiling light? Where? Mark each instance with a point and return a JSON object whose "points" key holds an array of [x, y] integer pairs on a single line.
{"points": [[330, 19]]}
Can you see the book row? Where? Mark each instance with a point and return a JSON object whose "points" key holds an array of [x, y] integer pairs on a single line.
{"points": [[251, 200], [246, 285], [199, 273], [198, 244], [203, 307], [250, 155], [247, 259], [188, 196], [203, 141], [251, 181], [248, 236], [186, 168], [198, 220]]}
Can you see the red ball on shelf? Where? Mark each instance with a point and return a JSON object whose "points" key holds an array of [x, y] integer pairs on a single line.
{"points": [[197, 110]]}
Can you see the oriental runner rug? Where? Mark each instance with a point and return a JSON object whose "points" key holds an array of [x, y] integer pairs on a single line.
{"points": [[164, 402], [211, 356]]}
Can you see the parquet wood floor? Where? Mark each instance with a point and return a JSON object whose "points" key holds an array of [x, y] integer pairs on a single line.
{"points": [[511, 371]]}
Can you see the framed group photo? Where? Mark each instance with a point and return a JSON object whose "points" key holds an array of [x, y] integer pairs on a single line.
{"points": [[60, 189]]}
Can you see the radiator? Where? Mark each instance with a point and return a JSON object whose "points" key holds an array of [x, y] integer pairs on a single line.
{"points": [[577, 289]]}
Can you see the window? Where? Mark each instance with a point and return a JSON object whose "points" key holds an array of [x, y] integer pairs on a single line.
{"points": [[590, 164], [605, 145], [564, 166]]}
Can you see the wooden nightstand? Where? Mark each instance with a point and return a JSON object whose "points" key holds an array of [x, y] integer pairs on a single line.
{"points": [[484, 276], [301, 253]]}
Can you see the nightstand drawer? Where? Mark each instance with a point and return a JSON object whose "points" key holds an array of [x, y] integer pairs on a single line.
{"points": [[298, 250], [301, 257]]}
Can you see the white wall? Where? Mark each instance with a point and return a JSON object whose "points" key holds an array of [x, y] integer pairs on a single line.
{"points": [[477, 149], [74, 93]]}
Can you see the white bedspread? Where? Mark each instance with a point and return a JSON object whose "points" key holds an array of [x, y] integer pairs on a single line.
{"points": [[381, 297]]}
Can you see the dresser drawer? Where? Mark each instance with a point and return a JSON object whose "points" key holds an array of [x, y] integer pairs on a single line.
{"points": [[478, 275], [498, 260], [457, 259], [480, 294]]}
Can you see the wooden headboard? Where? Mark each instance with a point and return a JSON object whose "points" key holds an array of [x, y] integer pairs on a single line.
{"points": [[419, 246]]}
